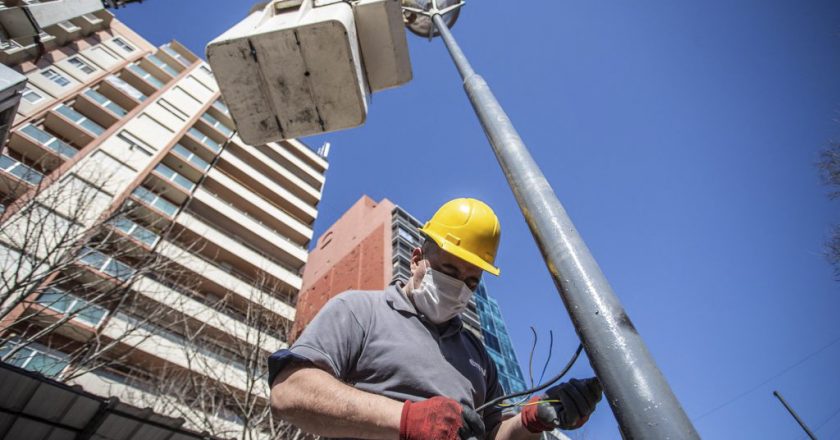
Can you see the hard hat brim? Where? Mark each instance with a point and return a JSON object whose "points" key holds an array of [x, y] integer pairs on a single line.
{"points": [[459, 252]]}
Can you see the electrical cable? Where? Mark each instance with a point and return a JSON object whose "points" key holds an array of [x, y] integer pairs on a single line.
{"points": [[538, 387], [550, 348], [531, 356], [766, 381]]}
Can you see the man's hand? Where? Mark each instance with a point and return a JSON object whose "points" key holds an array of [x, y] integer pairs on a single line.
{"points": [[439, 418], [573, 402]]}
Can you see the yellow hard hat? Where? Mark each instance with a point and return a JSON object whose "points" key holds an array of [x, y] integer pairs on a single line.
{"points": [[468, 229]]}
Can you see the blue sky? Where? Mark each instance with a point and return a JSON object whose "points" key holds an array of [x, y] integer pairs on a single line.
{"points": [[681, 138]]}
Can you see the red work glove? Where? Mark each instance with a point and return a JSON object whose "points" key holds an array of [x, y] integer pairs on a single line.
{"points": [[439, 418], [577, 400]]}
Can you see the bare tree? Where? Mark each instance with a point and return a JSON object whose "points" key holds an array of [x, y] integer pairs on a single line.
{"points": [[81, 279], [829, 166], [224, 389]]}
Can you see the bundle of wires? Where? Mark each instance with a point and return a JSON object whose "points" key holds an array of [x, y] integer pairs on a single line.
{"points": [[499, 400]]}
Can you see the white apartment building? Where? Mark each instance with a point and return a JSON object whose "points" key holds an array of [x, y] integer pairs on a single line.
{"points": [[141, 131]]}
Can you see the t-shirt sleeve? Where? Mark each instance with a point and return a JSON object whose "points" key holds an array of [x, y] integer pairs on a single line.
{"points": [[332, 342]]}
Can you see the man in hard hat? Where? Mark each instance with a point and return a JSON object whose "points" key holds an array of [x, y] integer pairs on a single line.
{"points": [[397, 364]]}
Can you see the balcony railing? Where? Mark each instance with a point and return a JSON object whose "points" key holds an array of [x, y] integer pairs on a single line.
{"points": [[204, 139], [155, 201], [105, 102], [79, 119], [125, 87], [65, 303], [20, 170], [174, 54], [106, 264], [174, 176], [148, 77], [218, 125], [135, 230], [49, 141], [162, 64], [190, 157], [220, 106], [35, 357]]}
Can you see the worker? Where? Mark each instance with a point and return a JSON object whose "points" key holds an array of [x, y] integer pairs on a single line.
{"points": [[398, 364]]}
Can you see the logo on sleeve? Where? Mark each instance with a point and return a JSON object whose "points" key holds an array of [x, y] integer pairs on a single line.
{"points": [[481, 369]]}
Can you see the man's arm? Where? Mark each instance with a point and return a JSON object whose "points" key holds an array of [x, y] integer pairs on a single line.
{"points": [[317, 402]]}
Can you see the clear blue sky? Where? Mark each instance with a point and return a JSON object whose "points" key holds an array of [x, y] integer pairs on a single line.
{"points": [[681, 137]]}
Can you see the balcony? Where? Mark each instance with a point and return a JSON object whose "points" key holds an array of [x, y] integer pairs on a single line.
{"points": [[220, 106], [303, 152], [246, 229], [191, 158], [155, 201], [105, 264], [121, 92], [14, 173], [69, 124], [303, 170], [263, 210], [67, 304], [267, 186], [135, 231], [141, 79], [177, 54], [205, 140], [40, 146], [163, 68], [220, 281], [35, 357], [171, 177], [282, 175], [105, 111], [214, 123]]}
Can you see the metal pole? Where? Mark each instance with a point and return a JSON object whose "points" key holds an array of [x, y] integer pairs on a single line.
{"points": [[795, 416], [640, 397]]}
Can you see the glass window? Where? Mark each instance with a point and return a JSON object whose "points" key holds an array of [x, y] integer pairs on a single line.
{"points": [[174, 54], [123, 45], [56, 77], [79, 119], [105, 102], [81, 65], [160, 63], [125, 87], [143, 73], [31, 96]]}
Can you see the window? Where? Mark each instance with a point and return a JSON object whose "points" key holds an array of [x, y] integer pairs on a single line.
{"points": [[123, 45], [56, 77], [31, 96], [35, 357], [125, 87], [144, 74], [81, 65]]}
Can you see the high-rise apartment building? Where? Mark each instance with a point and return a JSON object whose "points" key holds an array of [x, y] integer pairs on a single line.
{"points": [[140, 238], [497, 341], [370, 247]]}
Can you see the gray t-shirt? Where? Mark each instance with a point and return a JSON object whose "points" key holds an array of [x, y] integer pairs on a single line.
{"points": [[377, 342]]}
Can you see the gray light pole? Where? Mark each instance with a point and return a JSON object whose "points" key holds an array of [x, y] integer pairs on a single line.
{"points": [[795, 415], [640, 397]]}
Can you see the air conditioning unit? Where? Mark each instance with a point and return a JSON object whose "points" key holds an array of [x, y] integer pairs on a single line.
{"points": [[304, 67]]}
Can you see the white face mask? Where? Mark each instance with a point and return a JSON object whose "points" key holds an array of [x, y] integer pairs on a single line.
{"points": [[440, 297]]}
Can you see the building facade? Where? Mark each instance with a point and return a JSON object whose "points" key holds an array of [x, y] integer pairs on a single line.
{"points": [[140, 238], [497, 341], [370, 247]]}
